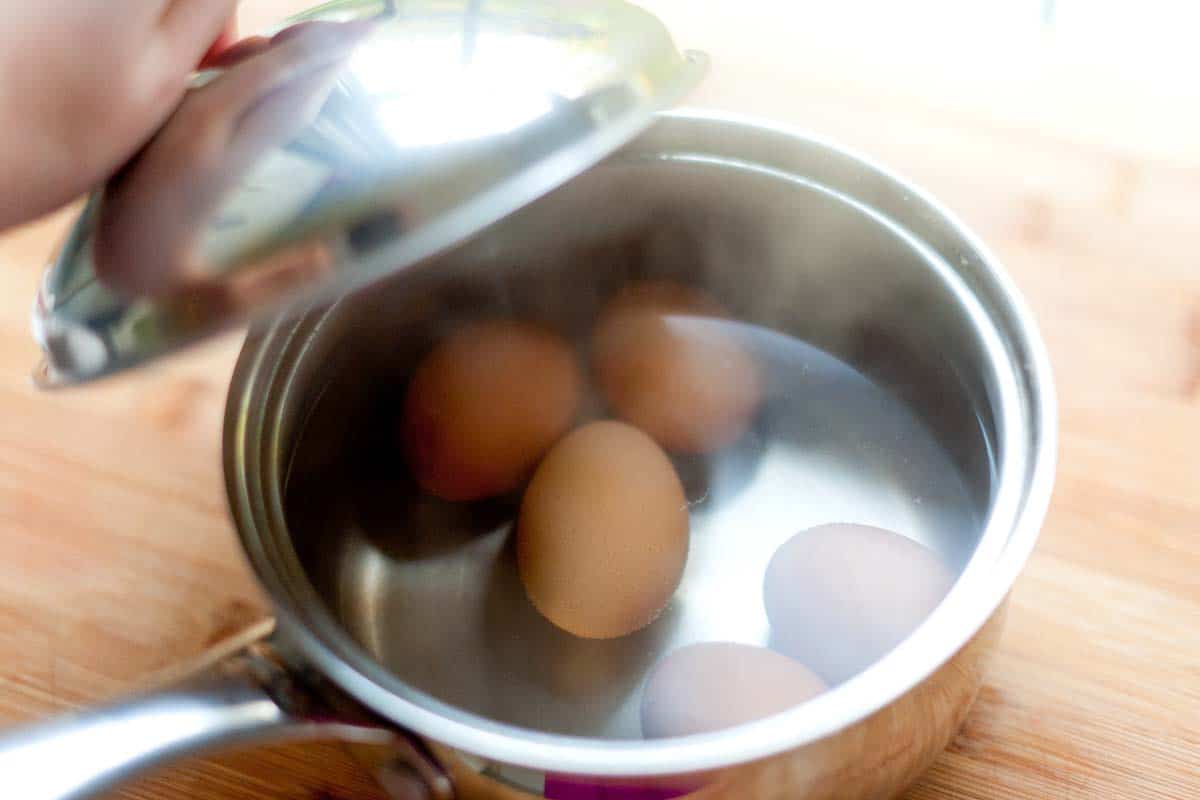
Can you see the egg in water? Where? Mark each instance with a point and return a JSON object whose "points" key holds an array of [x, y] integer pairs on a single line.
{"points": [[712, 686], [840, 597], [602, 537], [668, 361], [485, 404]]}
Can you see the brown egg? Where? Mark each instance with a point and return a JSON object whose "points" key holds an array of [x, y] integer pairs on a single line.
{"points": [[603, 533], [668, 362], [484, 406], [840, 597], [716, 685]]}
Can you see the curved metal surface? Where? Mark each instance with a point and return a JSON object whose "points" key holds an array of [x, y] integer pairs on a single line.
{"points": [[989, 338], [245, 698], [868, 737], [877, 757], [363, 137]]}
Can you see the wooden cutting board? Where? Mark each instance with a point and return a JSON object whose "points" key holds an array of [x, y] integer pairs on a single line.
{"points": [[116, 557]]}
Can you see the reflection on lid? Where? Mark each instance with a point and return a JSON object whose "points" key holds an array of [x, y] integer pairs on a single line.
{"points": [[155, 214], [359, 140]]}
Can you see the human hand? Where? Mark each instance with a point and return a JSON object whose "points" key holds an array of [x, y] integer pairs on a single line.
{"points": [[156, 211], [83, 84]]}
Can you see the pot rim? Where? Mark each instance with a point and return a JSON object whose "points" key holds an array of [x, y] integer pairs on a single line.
{"points": [[1029, 426]]}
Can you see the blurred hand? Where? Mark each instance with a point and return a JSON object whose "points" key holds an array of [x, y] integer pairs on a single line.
{"points": [[157, 209], [83, 84]]}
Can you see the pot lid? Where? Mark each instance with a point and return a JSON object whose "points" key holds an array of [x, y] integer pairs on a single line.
{"points": [[361, 138]]}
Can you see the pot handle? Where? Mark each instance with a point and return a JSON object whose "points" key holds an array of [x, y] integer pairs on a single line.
{"points": [[238, 694]]}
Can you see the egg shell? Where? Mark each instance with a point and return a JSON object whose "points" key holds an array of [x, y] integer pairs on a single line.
{"points": [[602, 536], [717, 685], [668, 360], [485, 404], [840, 597]]}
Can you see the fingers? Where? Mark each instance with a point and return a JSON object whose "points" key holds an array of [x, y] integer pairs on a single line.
{"points": [[268, 88], [315, 47], [237, 52], [279, 115], [190, 27], [224, 43]]}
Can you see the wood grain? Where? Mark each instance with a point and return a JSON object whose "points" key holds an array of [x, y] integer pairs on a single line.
{"points": [[116, 557]]}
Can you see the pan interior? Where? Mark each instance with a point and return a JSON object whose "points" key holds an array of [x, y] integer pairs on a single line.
{"points": [[876, 412]]}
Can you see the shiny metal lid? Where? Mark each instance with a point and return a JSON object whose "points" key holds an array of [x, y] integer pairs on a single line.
{"points": [[363, 137]]}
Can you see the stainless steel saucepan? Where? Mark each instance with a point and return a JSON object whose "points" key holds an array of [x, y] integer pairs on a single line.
{"points": [[835, 252], [399, 622]]}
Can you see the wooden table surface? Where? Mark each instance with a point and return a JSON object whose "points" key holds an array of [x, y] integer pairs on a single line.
{"points": [[117, 559]]}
